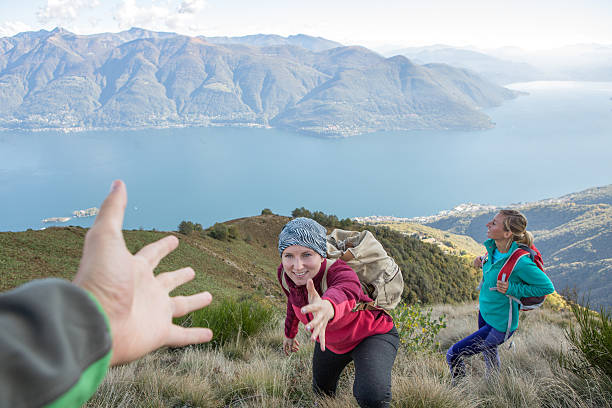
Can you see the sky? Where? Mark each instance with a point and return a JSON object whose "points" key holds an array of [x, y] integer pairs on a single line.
{"points": [[484, 24]]}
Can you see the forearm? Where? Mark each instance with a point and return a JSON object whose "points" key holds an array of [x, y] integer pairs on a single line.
{"points": [[291, 322], [55, 345], [520, 290]]}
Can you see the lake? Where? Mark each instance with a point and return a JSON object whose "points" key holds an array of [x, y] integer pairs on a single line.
{"points": [[555, 141]]}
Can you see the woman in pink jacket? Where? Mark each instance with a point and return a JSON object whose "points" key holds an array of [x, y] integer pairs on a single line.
{"points": [[366, 337]]}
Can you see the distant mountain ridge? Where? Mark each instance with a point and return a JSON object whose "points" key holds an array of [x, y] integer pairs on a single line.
{"points": [[580, 62], [139, 78], [573, 232], [499, 71], [267, 40]]}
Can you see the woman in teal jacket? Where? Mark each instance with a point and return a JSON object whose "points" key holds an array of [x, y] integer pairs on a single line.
{"points": [[507, 229]]}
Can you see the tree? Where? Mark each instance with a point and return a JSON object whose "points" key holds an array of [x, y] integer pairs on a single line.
{"points": [[266, 211], [301, 212], [186, 227]]}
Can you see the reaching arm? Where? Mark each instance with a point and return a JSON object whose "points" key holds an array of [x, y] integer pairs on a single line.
{"points": [[531, 280], [55, 345], [55, 337]]}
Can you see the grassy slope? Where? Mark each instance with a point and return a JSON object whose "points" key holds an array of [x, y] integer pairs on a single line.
{"points": [[224, 268], [245, 266], [256, 373]]}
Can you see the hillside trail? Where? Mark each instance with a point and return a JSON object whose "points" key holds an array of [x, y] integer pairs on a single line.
{"points": [[218, 256], [258, 279]]}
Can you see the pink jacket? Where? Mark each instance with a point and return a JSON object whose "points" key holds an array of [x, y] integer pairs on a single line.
{"points": [[347, 328]]}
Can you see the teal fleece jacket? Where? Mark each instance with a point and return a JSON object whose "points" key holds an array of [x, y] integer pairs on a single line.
{"points": [[526, 280]]}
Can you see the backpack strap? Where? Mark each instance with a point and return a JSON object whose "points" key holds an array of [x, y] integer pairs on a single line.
{"points": [[483, 260], [504, 276], [506, 270], [329, 263]]}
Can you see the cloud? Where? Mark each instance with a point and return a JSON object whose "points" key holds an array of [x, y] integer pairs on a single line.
{"points": [[191, 6], [65, 11], [10, 28], [182, 19], [129, 14]]}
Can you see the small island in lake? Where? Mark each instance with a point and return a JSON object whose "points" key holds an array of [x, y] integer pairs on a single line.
{"points": [[57, 219]]}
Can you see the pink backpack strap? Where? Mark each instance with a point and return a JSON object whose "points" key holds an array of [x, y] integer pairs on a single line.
{"points": [[506, 270]]}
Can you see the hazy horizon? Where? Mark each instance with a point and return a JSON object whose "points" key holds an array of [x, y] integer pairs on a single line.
{"points": [[477, 24]]}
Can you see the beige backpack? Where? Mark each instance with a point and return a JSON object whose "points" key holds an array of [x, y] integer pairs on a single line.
{"points": [[378, 273]]}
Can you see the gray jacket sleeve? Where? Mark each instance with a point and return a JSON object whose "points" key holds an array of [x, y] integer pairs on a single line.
{"points": [[55, 345]]}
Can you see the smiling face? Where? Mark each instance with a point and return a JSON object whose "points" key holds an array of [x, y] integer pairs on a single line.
{"points": [[301, 263], [496, 229]]}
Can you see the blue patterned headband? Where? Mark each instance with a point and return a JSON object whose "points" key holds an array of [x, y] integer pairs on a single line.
{"points": [[305, 232]]}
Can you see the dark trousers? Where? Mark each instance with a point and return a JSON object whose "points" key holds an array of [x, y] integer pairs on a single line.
{"points": [[484, 341], [373, 359]]}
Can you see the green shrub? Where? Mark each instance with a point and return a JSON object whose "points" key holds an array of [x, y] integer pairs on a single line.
{"points": [[416, 327], [591, 336], [219, 231], [231, 321], [232, 232], [188, 228], [266, 211]]}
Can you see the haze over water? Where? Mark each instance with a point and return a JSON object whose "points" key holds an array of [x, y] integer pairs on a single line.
{"points": [[555, 141]]}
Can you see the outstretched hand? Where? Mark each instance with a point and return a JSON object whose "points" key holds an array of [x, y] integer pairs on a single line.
{"points": [[322, 311], [137, 302]]}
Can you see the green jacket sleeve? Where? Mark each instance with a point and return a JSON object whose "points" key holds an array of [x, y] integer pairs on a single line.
{"points": [[55, 345], [528, 280]]}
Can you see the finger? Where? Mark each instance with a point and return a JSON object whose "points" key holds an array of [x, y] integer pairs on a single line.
{"points": [[296, 342], [154, 252], [322, 339], [312, 308], [316, 329], [174, 279], [312, 292], [317, 321], [112, 209], [181, 305], [181, 336]]}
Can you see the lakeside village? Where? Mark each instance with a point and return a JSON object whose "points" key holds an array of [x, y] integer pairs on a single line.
{"points": [[90, 212]]}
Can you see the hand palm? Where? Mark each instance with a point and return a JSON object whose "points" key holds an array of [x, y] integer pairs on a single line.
{"points": [[137, 303]]}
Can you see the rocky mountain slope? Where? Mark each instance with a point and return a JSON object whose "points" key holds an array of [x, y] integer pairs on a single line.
{"points": [[138, 78]]}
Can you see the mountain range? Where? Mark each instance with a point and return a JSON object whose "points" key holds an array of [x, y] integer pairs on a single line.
{"points": [[497, 70], [138, 78], [573, 232]]}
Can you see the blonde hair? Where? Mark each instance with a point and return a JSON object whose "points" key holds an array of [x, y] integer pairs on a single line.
{"points": [[516, 223]]}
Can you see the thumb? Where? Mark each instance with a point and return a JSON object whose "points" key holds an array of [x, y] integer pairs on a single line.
{"points": [[312, 292]]}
